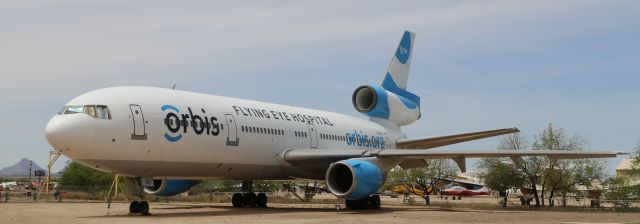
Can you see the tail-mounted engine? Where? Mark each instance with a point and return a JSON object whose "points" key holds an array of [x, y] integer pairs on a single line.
{"points": [[398, 106]]}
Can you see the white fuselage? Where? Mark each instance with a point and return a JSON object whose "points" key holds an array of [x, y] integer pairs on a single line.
{"points": [[239, 139]]}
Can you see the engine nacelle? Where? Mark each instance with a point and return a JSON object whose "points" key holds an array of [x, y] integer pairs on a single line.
{"points": [[165, 187], [354, 179], [398, 105]]}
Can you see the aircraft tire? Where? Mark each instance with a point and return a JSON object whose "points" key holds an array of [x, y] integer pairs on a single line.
{"points": [[349, 204], [237, 200], [261, 200], [374, 201], [144, 207], [363, 204], [250, 199], [134, 207]]}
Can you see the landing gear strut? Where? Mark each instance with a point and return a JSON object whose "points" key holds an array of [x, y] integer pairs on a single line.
{"points": [[141, 206], [249, 198], [371, 202]]}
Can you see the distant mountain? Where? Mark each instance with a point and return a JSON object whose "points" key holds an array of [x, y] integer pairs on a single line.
{"points": [[20, 169]]}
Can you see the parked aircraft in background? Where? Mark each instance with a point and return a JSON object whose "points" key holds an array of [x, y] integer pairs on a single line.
{"points": [[168, 139], [461, 191]]}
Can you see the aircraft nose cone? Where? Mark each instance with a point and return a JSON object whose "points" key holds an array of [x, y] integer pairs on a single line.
{"points": [[56, 132]]}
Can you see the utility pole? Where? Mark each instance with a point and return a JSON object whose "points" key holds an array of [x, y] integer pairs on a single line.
{"points": [[30, 166]]}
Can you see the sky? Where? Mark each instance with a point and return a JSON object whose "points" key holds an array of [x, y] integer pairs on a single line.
{"points": [[477, 65]]}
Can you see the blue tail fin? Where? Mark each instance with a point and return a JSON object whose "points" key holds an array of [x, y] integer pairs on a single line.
{"points": [[398, 71]]}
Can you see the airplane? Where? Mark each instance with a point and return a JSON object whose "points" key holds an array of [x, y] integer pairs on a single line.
{"points": [[168, 140], [461, 191]]}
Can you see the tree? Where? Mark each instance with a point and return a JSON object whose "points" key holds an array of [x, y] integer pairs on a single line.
{"points": [[635, 164], [500, 176], [310, 189], [433, 176], [620, 191], [555, 139], [569, 173], [531, 168], [552, 175], [78, 175]]}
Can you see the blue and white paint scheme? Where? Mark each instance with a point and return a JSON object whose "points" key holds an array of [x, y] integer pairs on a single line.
{"points": [[170, 139], [390, 101]]}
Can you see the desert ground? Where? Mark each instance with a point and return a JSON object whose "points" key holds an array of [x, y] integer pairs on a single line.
{"points": [[68, 213]]}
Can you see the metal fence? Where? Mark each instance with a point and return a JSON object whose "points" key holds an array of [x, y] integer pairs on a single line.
{"points": [[101, 194]]}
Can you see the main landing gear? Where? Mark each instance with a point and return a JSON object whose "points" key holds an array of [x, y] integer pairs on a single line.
{"points": [[249, 198], [371, 202], [141, 206]]}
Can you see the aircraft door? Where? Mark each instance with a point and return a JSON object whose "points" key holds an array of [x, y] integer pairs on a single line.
{"points": [[313, 136], [232, 130], [139, 132]]}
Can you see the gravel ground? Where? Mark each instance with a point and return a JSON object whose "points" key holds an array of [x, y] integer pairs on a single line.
{"points": [[51, 213]]}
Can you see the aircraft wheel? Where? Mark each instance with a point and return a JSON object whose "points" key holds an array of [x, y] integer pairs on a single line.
{"points": [[349, 204], [364, 204], [261, 200], [134, 207], [459, 198], [144, 207], [237, 200], [249, 199], [374, 201]]}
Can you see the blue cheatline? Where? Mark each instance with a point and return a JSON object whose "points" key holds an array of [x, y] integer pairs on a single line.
{"points": [[409, 99]]}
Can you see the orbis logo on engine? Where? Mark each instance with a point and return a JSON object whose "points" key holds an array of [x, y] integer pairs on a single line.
{"points": [[180, 123]]}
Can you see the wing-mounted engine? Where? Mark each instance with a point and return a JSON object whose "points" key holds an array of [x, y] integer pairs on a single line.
{"points": [[354, 179], [400, 107], [166, 187]]}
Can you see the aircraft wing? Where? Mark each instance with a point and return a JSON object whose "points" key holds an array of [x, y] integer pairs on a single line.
{"points": [[432, 142], [320, 156]]}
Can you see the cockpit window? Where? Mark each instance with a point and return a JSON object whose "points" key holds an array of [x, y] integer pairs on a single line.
{"points": [[62, 110], [97, 111], [103, 112], [90, 110], [73, 110]]}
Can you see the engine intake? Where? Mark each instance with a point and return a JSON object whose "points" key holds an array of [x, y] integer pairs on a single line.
{"points": [[364, 99], [353, 179]]}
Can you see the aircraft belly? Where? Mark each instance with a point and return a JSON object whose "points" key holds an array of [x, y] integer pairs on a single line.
{"points": [[189, 170]]}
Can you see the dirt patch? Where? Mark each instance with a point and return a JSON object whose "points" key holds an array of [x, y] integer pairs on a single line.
{"points": [[68, 213]]}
